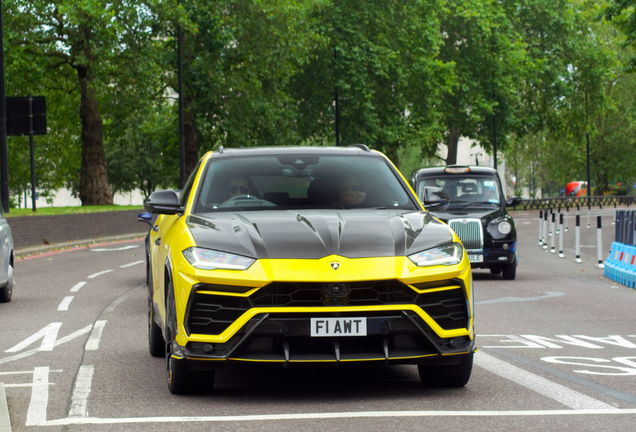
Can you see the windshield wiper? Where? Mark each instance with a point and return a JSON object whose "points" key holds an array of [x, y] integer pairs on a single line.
{"points": [[480, 203]]}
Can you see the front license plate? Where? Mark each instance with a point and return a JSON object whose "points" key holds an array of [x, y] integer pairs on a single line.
{"points": [[338, 327], [476, 258]]}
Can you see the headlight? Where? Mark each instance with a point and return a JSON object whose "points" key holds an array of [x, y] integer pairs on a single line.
{"points": [[444, 255], [206, 259], [504, 227]]}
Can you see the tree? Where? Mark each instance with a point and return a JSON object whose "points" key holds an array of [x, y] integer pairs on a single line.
{"points": [[106, 44]]}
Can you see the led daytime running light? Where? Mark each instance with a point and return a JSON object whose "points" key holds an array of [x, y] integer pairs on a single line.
{"points": [[443, 255], [207, 259]]}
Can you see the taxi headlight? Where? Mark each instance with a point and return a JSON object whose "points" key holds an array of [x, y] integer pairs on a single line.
{"points": [[443, 255], [207, 259], [504, 227]]}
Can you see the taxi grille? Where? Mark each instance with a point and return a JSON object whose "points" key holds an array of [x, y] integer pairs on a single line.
{"points": [[469, 232]]}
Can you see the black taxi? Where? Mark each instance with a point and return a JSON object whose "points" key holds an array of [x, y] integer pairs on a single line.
{"points": [[472, 202]]}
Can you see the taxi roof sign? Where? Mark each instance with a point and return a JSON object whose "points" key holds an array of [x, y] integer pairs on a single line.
{"points": [[457, 169]]}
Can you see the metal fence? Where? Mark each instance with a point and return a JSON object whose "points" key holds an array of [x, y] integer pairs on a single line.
{"points": [[625, 226], [576, 202]]}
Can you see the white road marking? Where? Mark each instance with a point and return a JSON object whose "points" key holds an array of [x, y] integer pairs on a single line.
{"points": [[564, 339], [5, 421], [96, 334], [48, 335], [114, 249], [23, 385], [547, 388], [65, 303], [81, 391], [77, 286], [94, 275], [336, 415], [36, 414], [549, 294], [30, 372], [58, 342], [132, 264]]}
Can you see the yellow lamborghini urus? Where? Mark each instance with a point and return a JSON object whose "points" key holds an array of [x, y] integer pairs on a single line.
{"points": [[297, 255]]}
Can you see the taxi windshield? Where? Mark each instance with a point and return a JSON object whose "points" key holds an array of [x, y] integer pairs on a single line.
{"points": [[285, 182], [467, 190]]}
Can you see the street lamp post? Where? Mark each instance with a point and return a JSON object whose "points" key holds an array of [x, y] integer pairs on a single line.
{"points": [[4, 162]]}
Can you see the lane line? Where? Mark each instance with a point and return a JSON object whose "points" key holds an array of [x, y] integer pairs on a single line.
{"points": [[94, 275], [132, 264], [30, 372], [77, 286], [5, 421], [337, 415], [48, 335], [81, 391], [39, 349], [36, 415], [96, 335], [549, 294], [547, 388], [23, 385], [65, 303], [114, 249]]}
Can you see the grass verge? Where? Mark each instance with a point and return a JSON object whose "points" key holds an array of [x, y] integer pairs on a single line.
{"points": [[48, 211]]}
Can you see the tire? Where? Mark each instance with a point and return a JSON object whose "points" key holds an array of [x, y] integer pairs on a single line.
{"points": [[510, 270], [156, 343], [7, 290], [495, 271], [181, 379], [447, 375]]}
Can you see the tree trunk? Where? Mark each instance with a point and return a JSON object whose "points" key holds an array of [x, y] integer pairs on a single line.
{"points": [[94, 188], [451, 144], [191, 143]]}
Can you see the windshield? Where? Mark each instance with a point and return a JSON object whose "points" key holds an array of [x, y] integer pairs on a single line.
{"points": [[300, 181], [466, 190]]}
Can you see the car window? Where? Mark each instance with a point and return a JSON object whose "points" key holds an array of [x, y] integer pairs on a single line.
{"points": [[300, 181], [185, 193], [466, 189]]}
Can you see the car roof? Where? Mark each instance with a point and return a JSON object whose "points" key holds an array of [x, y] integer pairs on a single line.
{"points": [[439, 170], [357, 150]]}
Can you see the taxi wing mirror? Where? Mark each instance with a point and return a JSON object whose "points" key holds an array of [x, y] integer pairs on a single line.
{"points": [[513, 201]]}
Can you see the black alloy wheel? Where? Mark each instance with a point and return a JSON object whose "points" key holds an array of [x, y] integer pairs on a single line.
{"points": [[447, 375], [156, 344], [181, 379]]}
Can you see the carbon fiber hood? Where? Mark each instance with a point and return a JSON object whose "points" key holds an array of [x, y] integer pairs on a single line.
{"points": [[314, 234]]}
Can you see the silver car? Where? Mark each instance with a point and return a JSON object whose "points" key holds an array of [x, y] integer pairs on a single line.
{"points": [[6, 260]]}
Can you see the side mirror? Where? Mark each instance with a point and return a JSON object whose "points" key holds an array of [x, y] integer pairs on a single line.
{"points": [[163, 202], [145, 217], [433, 197], [513, 201]]}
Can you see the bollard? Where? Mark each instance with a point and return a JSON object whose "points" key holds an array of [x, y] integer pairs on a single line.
{"points": [[545, 229], [599, 238], [577, 241], [589, 212], [540, 227], [567, 217], [551, 227], [561, 255], [614, 221], [552, 250], [559, 227]]}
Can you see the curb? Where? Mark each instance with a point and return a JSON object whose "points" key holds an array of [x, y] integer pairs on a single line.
{"points": [[19, 253], [5, 422]]}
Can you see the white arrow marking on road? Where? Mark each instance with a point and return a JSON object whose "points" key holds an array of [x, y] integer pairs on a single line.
{"points": [[96, 335], [549, 294], [81, 391], [132, 264], [114, 249], [36, 415], [39, 349], [77, 286], [65, 303], [94, 275], [547, 388], [48, 335]]}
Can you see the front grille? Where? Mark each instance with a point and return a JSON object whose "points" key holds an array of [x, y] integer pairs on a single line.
{"points": [[212, 314], [448, 308], [310, 294], [469, 232]]}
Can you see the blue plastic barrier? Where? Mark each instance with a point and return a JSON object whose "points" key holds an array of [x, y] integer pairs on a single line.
{"points": [[620, 265]]}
